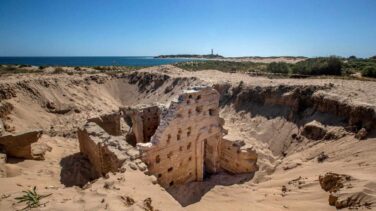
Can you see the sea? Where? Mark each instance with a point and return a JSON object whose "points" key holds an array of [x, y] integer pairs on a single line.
{"points": [[92, 61]]}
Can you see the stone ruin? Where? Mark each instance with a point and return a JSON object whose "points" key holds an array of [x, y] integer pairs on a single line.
{"points": [[21, 145], [177, 144]]}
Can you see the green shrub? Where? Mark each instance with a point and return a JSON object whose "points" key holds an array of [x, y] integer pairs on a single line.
{"points": [[225, 66], [319, 66], [278, 67], [31, 198], [369, 71], [58, 70], [12, 69]]}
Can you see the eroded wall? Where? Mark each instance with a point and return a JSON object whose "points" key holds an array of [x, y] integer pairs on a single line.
{"points": [[144, 120], [236, 156], [175, 153], [106, 153], [109, 122]]}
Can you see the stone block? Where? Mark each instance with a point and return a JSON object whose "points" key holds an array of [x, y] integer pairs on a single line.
{"points": [[19, 145]]}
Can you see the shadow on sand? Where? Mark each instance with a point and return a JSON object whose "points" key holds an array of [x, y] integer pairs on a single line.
{"points": [[193, 192], [76, 170]]}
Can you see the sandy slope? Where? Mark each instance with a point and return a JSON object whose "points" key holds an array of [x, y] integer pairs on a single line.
{"points": [[298, 170]]}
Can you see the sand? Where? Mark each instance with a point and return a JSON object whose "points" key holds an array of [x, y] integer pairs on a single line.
{"points": [[282, 163]]}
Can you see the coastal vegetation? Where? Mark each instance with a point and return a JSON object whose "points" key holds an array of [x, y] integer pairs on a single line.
{"points": [[225, 66], [58, 70], [15, 69], [367, 67], [278, 67], [321, 66]]}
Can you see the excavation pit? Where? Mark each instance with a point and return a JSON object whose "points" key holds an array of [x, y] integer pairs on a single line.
{"points": [[178, 144]]}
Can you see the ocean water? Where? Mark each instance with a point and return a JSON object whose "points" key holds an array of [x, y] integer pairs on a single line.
{"points": [[91, 61]]}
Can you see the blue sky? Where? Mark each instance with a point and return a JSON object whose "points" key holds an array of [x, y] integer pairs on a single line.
{"points": [[150, 27]]}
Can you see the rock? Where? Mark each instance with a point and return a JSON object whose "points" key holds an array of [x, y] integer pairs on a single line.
{"points": [[290, 165], [132, 166], [9, 128], [108, 184], [147, 205], [344, 195], [322, 156], [142, 166], [51, 105], [133, 154], [122, 169], [332, 182], [52, 132], [332, 200], [361, 134], [314, 130], [58, 108], [335, 133], [153, 179], [284, 189], [19, 145], [128, 201], [38, 150]]}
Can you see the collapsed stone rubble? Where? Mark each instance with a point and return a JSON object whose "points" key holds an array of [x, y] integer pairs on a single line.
{"points": [[177, 144]]}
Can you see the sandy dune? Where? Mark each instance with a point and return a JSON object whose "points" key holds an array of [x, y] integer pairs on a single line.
{"points": [[289, 170]]}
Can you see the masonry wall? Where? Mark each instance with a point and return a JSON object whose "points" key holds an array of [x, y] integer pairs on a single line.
{"points": [[237, 157], [100, 148], [144, 120], [109, 122], [211, 153], [176, 151]]}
